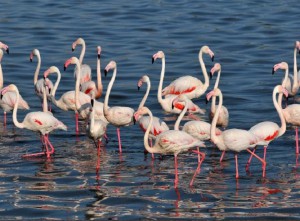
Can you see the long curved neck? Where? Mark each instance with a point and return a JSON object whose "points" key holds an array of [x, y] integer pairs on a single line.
{"points": [[146, 136], [1, 76], [213, 136], [77, 85], [177, 123], [278, 107], [45, 103], [109, 87], [82, 53], [15, 120], [206, 78], [99, 80], [160, 85], [213, 101], [37, 70], [295, 83], [143, 101], [283, 85], [56, 85], [92, 120]]}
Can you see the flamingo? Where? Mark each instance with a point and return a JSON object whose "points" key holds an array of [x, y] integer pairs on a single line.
{"points": [[158, 125], [42, 122], [69, 99], [85, 70], [5, 47], [268, 131], [89, 87], [96, 129], [171, 141], [189, 85], [224, 114], [8, 100], [119, 116], [39, 83], [166, 102], [235, 140]]}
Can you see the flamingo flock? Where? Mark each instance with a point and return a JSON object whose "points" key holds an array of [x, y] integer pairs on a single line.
{"points": [[180, 98]]}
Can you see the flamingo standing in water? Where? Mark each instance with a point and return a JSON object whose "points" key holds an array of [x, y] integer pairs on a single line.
{"points": [[166, 102], [39, 83], [42, 122], [171, 141], [90, 87], [268, 131], [74, 100], [119, 116], [8, 100], [189, 85], [85, 70], [224, 114], [158, 125], [232, 139]]}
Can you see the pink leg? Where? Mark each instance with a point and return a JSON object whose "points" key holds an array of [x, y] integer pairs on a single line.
{"points": [[201, 156], [98, 157], [261, 160], [4, 118], [44, 142], [176, 172], [297, 142], [119, 139], [265, 152], [106, 138], [76, 122], [236, 166], [249, 160], [197, 171], [51, 146], [222, 156]]}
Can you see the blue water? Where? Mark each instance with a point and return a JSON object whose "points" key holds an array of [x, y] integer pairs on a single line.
{"points": [[247, 37]]}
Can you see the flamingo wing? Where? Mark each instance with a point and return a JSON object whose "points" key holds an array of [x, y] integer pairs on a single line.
{"points": [[238, 140], [266, 131], [120, 116]]}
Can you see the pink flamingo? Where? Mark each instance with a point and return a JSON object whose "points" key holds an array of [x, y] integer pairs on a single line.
{"points": [[89, 87], [76, 101], [39, 83], [85, 70], [224, 114], [232, 139], [171, 141], [166, 102], [158, 125], [42, 122], [118, 116], [268, 131], [5, 47], [189, 85], [8, 100]]}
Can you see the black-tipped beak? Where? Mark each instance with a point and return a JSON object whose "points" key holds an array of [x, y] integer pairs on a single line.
{"points": [[206, 101], [1, 96], [7, 50], [139, 88], [212, 58], [65, 68], [92, 102], [49, 90], [273, 71], [134, 120], [172, 106], [73, 49], [210, 75], [98, 56], [105, 72], [30, 59], [152, 60]]}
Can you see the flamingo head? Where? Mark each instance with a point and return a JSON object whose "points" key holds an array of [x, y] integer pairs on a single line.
{"points": [[214, 92], [35, 52], [72, 60], [143, 79], [216, 67], [98, 51], [207, 50], [52, 69], [140, 112], [5, 47], [281, 89], [47, 84], [282, 65], [110, 65], [297, 46], [159, 54], [79, 41], [10, 87]]}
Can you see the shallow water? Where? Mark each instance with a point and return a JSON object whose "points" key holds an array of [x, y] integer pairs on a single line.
{"points": [[248, 38]]}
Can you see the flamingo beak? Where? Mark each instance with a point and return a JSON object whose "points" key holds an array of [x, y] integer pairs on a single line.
{"points": [[7, 50], [273, 71], [98, 56], [134, 120], [152, 60], [139, 88], [210, 75], [65, 68], [73, 49], [212, 58], [105, 72]]}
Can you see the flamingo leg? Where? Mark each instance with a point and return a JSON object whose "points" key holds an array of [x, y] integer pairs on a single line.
{"points": [[51, 146], [4, 118], [197, 171], [236, 166], [119, 139], [98, 157], [265, 152], [250, 158], [43, 140], [106, 138], [76, 122], [297, 142], [222, 156], [261, 160], [176, 171]]}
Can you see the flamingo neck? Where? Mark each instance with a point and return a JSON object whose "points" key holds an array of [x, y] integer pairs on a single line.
{"points": [[1, 76], [278, 107], [15, 120], [109, 87], [55, 88], [295, 83], [146, 136], [82, 53], [77, 85], [213, 101], [162, 75], [283, 85], [37, 70], [45, 103], [177, 123], [99, 80], [206, 78], [143, 101], [92, 120], [213, 136]]}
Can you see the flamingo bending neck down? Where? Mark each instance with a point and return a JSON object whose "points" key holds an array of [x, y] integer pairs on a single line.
{"points": [[85, 71], [190, 86], [90, 87], [235, 140], [119, 116], [224, 114], [171, 141], [42, 122], [8, 100], [39, 83], [166, 102], [268, 131]]}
